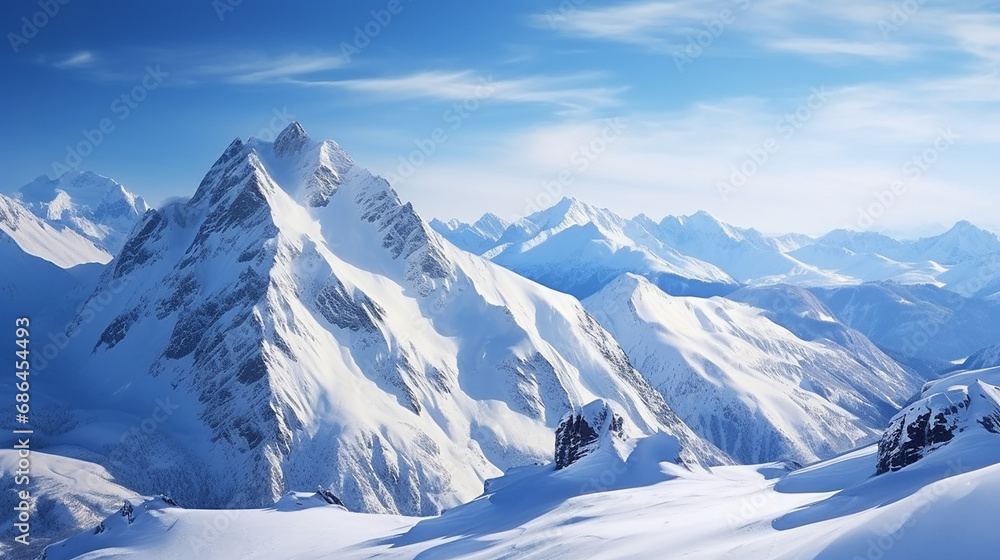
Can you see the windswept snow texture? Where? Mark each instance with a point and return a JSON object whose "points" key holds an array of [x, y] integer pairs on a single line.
{"points": [[759, 390], [96, 207], [606, 506], [308, 328]]}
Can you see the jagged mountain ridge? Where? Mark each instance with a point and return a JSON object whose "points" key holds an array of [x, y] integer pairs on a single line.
{"points": [[312, 329], [596, 246], [577, 248]]}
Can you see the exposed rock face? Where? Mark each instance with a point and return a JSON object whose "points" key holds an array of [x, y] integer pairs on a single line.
{"points": [[582, 432], [329, 497], [936, 420], [342, 343]]}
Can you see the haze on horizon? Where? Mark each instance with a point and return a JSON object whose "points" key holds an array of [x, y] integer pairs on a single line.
{"points": [[784, 116]]}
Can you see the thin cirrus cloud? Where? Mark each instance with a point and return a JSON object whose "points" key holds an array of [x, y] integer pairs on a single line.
{"points": [[566, 92], [644, 23], [838, 47], [193, 66], [852, 28], [852, 148], [76, 60], [570, 94], [270, 69]]}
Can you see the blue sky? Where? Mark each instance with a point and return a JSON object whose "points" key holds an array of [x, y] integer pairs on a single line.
{"points": [[779, 114]]}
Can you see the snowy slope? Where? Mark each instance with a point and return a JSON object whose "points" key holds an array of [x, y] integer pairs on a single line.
{"points": [[604, 507], [978, 277], [916, 322], [42, 277], [576, 248], [72, 495], [311, 329], [752, 387], [96, 207], [988, 357], [61, 247], [802, 313]]}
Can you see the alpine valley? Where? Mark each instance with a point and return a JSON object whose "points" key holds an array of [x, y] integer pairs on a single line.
{"points": [[292, 363]]}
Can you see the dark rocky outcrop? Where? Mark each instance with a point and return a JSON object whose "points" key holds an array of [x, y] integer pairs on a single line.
{"points": [[936, 420], [581, 432]]}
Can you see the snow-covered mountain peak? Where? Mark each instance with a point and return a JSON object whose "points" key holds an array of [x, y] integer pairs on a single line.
{"points": [[701, 224], [478, 237], [964, 241], [491, 224], [988, 357], [94, 206], [568, 212], [626, 286], [292, 139], [342, 343], [578, 248], [35, 236]]}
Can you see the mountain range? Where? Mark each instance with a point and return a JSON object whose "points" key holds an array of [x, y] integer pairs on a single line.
{"points": [[313, 350]]}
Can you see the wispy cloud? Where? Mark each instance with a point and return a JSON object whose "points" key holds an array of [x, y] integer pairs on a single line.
{"points": [[269, 69], [856, 145], [77, 60], [839, 47], [851, 28], [566, 92], [643, 23]]}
